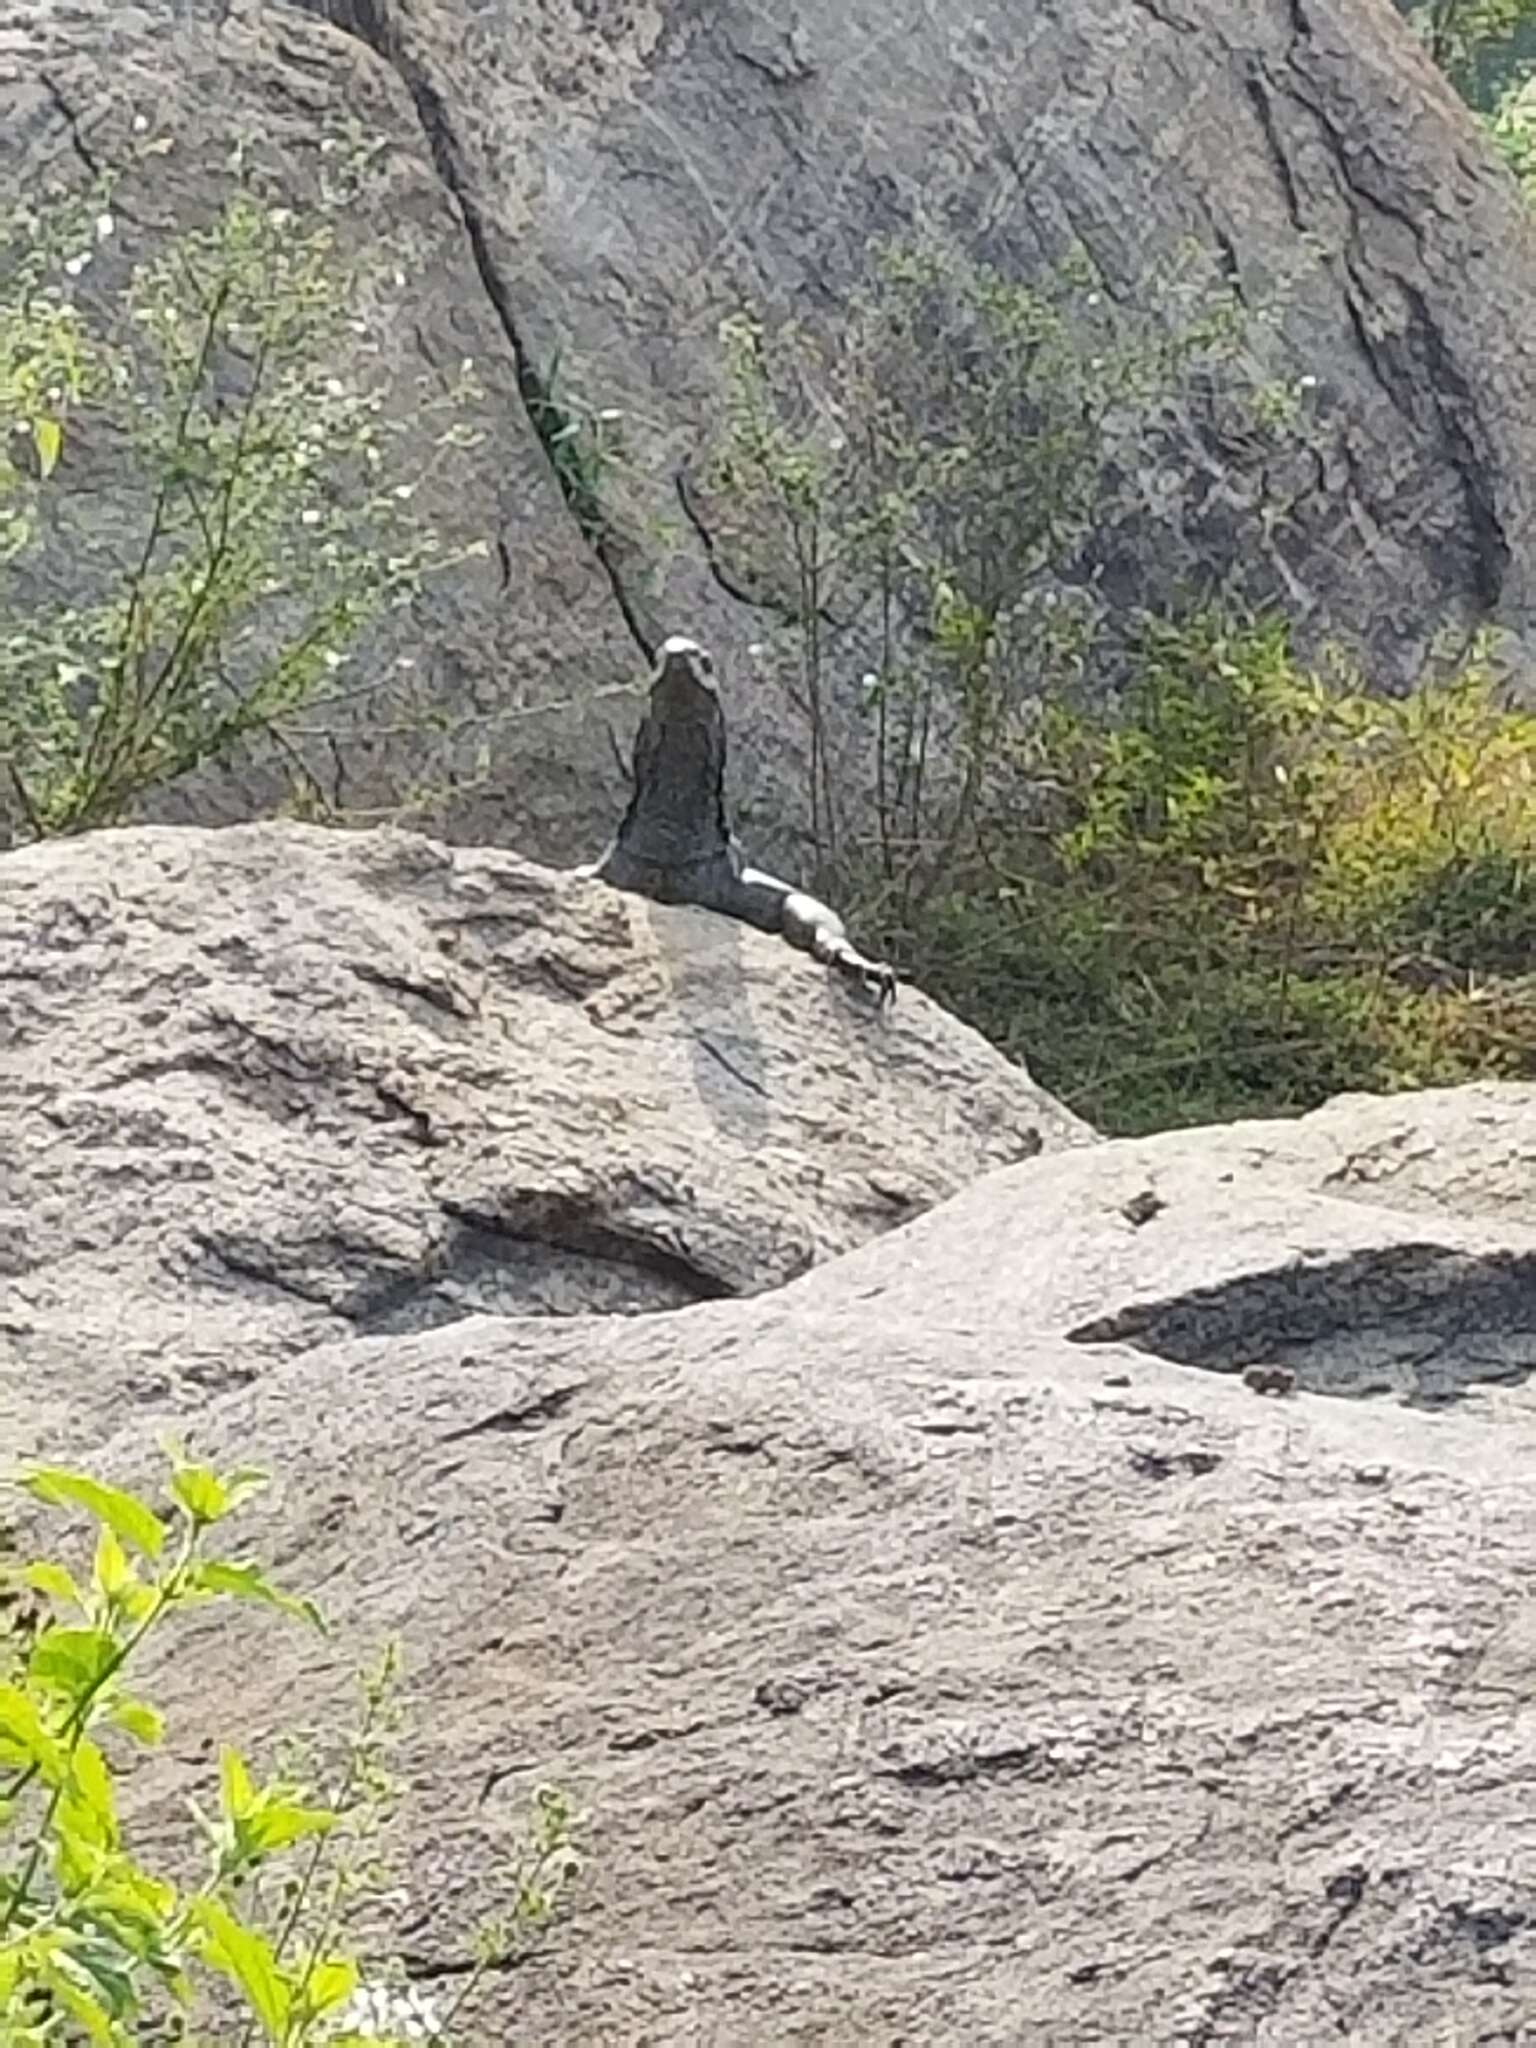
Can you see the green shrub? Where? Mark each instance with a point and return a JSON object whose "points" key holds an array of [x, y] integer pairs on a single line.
{"points": [[268, 518], [922, 493], [97, 1947], [1247, 886], [1480, 44]]}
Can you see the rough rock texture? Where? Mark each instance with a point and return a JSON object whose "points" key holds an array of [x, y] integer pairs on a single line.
{"points": [[603, 178], [523, 646], [264, 1087], [934, 1667]]}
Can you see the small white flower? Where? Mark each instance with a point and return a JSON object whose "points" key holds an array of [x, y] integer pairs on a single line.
{"points": [[335, 388], [756, 650], [405, 490], [106, 226], [309, 517], [406, 661], [1306, 383], [76, 264], [609, 412], [141, 124], [381, 2014], [333, 660]]}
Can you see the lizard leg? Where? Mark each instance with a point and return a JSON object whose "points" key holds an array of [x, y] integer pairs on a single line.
{"points": [[821, 933], [811, 927]]}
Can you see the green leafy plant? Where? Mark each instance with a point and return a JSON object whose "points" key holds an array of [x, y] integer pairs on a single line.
{"points": [[1473, 41], [97, 1947], [1487, 48], [1511, 125], [272, 526], [1248, 885], [584, 443], [929, 491], [1182, 875]]}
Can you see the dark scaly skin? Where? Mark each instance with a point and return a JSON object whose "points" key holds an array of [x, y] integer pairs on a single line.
{"points": [[675, 844]]}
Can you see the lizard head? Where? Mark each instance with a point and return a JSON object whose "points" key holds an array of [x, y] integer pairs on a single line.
{"points": [[683, 683]]}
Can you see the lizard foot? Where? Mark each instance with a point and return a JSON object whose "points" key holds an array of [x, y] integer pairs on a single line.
{"points": [[871, 974]]}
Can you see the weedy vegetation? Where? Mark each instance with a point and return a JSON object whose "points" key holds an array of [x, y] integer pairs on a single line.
{"points": [[253, 1936]]}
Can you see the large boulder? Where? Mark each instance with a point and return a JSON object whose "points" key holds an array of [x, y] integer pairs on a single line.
{"points": [[964, 1643], [599, 180], [263, 1087]]}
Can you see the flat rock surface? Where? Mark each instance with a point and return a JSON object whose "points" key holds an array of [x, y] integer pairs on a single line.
{"points": [[933, 1670], [265, 1087]]}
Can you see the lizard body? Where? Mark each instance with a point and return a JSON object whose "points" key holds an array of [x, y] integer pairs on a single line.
{"points": [[675, 843]]}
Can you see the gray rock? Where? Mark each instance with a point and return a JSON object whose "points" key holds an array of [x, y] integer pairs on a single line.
{"points": [[1097, 1609], [929, 1672], [605, 180], [267, 1086], [522, 649]]}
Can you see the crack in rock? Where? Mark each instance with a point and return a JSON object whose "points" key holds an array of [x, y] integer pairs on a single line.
{"points": [[1418, 1321], [375, 24]]}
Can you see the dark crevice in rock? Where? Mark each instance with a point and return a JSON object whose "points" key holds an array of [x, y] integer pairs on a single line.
{"points": [[693, 514], [1410, 360], [569, 1223], [246, 1264], [71, 119], [1024, 1760], [1166, 18], [1263, 106], [375, 24], [528, 1415], [537, 1254], [1465, 444], [1420, 1321]]}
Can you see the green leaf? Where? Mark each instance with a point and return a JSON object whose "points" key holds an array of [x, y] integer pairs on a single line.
{"points": [[247, 1959], [24, 1739], [88, 1807], [124, 1514], [250, 1582], [136, 1910], [275, 1827], [139, 1719], [111, 1572], [55, 1581], [47, 439], [201, 1492], [72, 1661], [331, 1982], [59, 1974], [237, 1795]]}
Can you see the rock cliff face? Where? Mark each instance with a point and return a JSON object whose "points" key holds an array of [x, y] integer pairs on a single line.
{"points": [[604, 178]]}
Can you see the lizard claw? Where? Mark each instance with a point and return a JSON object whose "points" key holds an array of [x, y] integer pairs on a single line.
{"points": [[875, 975]]}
